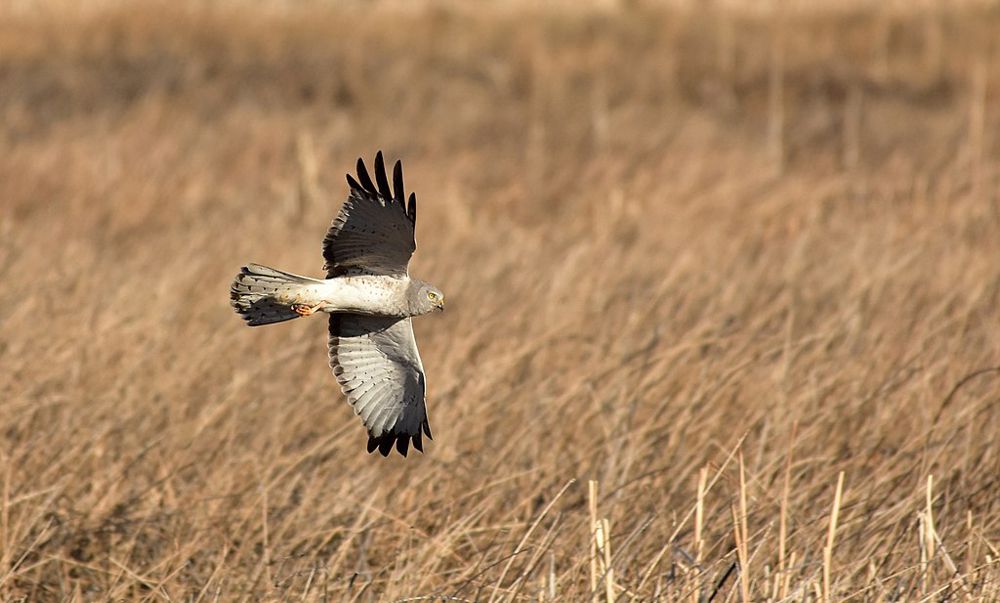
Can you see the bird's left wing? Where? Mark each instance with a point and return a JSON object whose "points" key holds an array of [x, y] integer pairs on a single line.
{"points": [[373, 233], [378, 367]]}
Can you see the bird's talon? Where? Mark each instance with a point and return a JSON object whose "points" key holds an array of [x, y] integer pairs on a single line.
{"points": [[304, 310]]}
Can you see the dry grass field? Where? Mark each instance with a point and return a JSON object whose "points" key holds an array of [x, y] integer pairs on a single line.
{"points": [[723, 323]]}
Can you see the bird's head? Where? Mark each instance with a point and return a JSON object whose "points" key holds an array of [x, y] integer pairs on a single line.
{"points": [[425, 298]]}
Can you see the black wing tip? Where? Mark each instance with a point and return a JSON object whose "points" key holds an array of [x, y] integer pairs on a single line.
{"points": [[400, 441], [399, 193], [380, 185], [365, 179], [351, 182], [381, 178]]}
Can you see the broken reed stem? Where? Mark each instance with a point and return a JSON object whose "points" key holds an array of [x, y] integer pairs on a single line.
{"points": [[781, 584], [930, 542], [922, 546], [699, 515], [830, 537], [592, 500], [925, 539], [741, 556], [741, 543], [604, 544], [5, 538], [600, 550], [929, 520], [787, 581]]}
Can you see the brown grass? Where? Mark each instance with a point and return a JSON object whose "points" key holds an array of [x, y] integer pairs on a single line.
{"points": [[724, 315]]}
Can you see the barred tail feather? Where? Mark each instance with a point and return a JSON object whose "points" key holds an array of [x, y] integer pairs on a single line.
{"points": [[255, 290]]}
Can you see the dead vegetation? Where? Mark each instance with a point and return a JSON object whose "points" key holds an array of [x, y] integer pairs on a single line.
{"points": [[723, 287]]}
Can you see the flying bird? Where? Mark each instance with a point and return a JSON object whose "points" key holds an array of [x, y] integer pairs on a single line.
{"points": [[370, 298]]}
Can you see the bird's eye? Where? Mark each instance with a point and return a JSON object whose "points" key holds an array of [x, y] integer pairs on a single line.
{"points": [[432, 296]]}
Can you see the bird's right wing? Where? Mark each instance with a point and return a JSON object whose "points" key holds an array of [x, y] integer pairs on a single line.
{"points": [[378, 367], [374, 231]]}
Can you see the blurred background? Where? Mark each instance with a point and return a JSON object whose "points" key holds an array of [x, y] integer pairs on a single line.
{"points": [[723, 283]]}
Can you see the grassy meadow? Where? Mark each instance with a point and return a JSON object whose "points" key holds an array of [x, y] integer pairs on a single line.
{"points": [[723, 311]]}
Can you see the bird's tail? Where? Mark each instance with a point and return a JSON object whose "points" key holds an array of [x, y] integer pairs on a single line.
{"points": [[262, 295]]}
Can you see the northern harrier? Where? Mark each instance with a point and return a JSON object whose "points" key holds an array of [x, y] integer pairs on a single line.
{"points": [[370, 298]]}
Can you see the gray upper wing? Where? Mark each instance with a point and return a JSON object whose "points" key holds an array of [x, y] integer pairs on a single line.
{"points": [[373, 233], [376, 362]]}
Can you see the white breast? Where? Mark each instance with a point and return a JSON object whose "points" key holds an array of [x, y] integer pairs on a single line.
{"points": [[381, 295]]}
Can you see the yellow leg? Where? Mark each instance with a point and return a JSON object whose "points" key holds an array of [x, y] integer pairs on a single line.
{"points": [[304, 310]]}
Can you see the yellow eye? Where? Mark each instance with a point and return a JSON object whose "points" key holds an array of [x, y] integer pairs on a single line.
{"points": [[432, 296]]}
